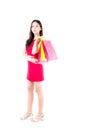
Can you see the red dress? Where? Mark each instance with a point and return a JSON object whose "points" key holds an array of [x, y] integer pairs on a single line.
{"points": [[35, 72]]}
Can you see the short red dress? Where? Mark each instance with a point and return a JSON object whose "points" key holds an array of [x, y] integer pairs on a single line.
{"points": [[35, 72]]}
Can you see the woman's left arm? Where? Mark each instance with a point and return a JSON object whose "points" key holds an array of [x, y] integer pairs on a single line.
{"points": [[36, 46]]}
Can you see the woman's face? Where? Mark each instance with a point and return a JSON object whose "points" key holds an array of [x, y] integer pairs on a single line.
{"points": [[35, 28]]}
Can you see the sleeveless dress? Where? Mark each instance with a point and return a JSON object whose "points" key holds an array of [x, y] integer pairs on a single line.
{"points": [[35, 72]]}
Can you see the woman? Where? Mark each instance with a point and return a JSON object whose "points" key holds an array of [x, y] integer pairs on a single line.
{"points": [[35, 72]]}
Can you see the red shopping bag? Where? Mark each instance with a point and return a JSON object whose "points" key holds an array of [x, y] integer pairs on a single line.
{"points": [[49, 50]]}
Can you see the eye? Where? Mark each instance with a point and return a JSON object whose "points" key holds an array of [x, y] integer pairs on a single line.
{"points": [[32, 26], [36, 25]]}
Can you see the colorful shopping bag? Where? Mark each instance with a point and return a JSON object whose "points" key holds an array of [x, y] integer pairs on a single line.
{"points": [[49, 50], [42, 54]]}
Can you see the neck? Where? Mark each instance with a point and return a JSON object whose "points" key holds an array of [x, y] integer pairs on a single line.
{"points": [[36, 35]]}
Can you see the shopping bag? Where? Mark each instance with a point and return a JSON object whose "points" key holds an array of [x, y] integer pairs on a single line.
{"points": [[42, 54], [49, 50]]}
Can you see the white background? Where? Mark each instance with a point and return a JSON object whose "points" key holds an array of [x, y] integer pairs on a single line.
{"points": [[65, 24]]}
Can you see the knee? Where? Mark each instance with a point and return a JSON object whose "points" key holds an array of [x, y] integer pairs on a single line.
{"points": [[30, 88], [38, 89]]}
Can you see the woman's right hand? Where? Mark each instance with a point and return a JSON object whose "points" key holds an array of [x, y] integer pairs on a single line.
{"points": [[32, 59]]}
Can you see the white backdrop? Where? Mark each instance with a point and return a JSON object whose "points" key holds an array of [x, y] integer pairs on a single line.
{"points": [[65, 24]]}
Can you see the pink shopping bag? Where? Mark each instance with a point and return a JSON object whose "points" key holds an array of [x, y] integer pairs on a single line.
{"points": [[49, 50]]}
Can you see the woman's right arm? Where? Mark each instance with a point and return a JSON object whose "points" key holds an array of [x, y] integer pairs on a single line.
{"points": [[25, 54], [29, 58]]}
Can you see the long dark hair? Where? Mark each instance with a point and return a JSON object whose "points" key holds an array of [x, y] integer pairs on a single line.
{"points": [[31, 35]]}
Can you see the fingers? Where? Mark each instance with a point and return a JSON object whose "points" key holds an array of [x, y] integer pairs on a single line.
{"points": [[36, 61]]}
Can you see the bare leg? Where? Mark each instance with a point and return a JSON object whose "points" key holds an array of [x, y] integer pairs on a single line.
{"points": [[39, 91], [40, 95], [30, 101], [30, 96]]}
